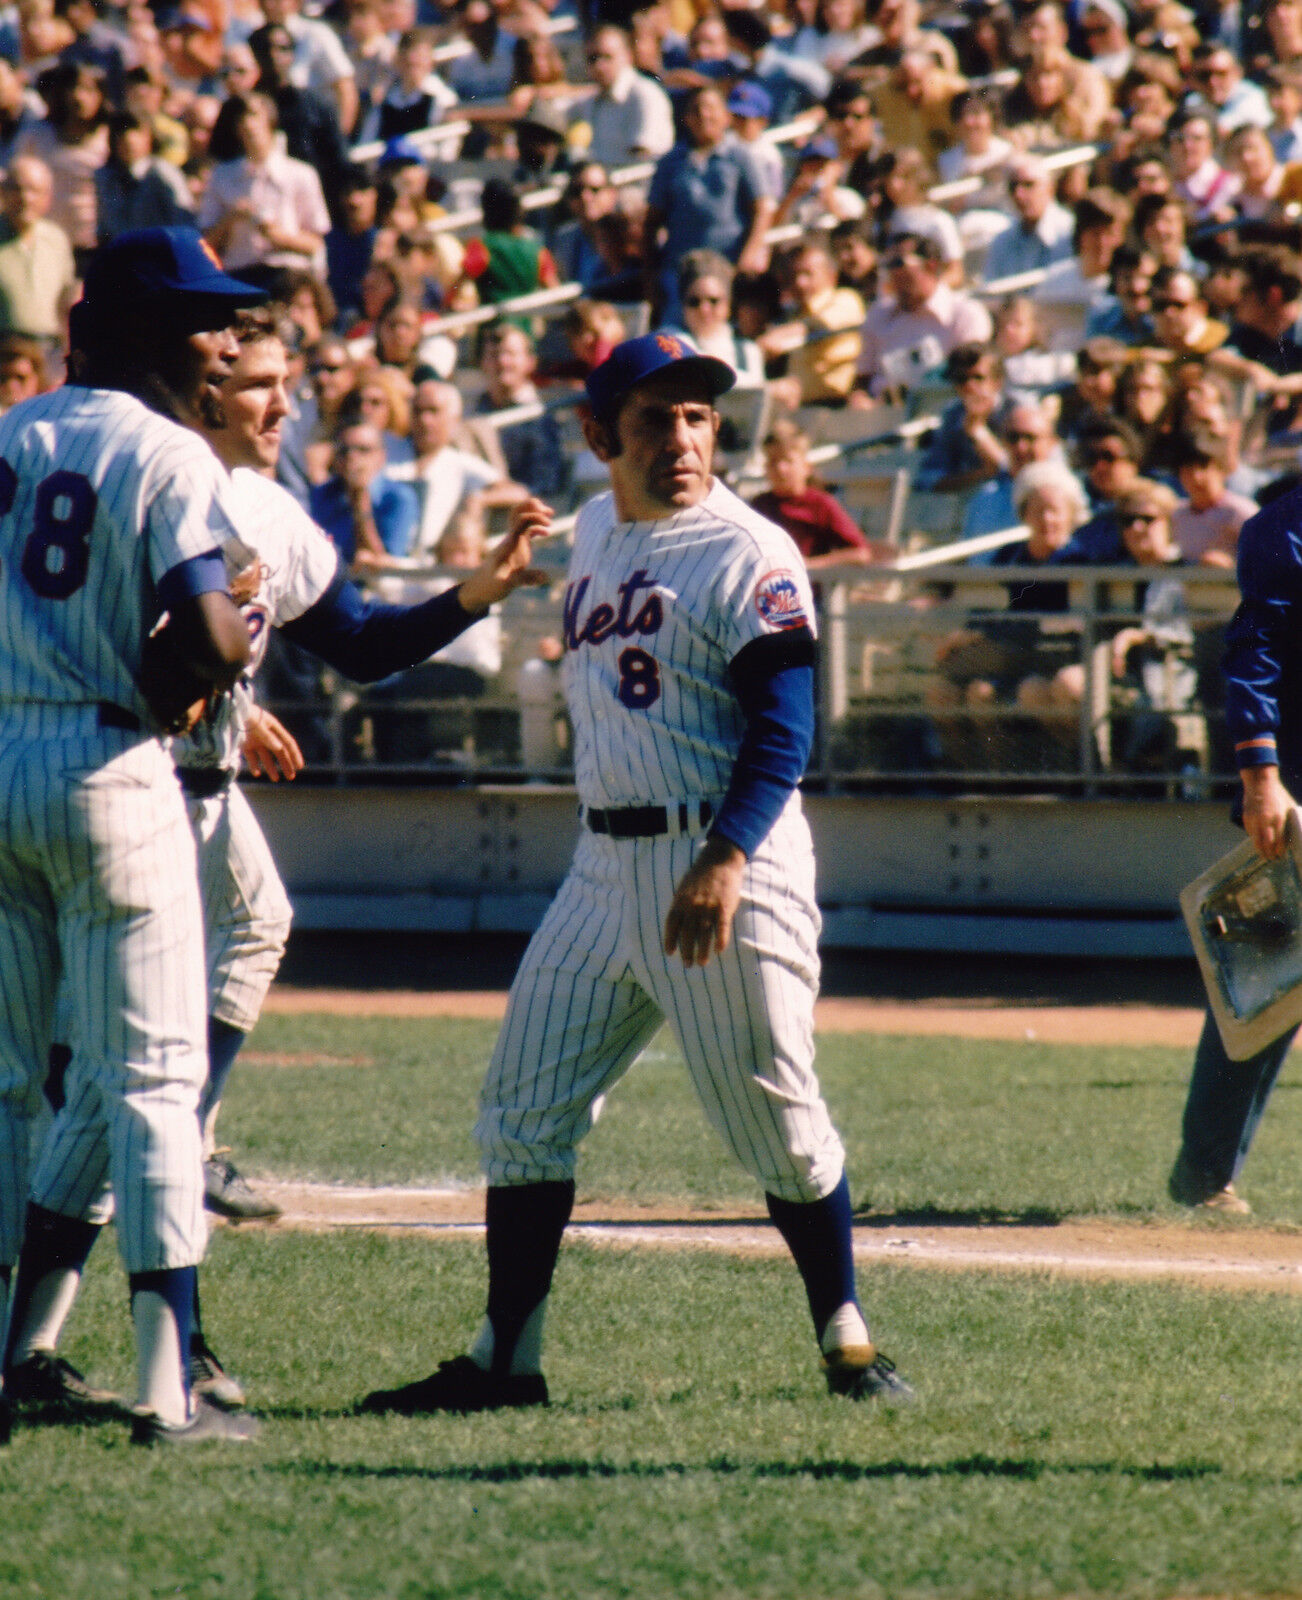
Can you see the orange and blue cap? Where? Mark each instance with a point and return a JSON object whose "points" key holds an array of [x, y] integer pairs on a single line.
{"points": [[636, 360], [174, 270]]}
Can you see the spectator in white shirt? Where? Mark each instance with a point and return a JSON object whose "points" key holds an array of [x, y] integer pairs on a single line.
{"points": [[1043, 230], [630, 117], [912, 328], [1224, 93], [1072, 288], [265, 208], [1107, 39], [444, 476]]}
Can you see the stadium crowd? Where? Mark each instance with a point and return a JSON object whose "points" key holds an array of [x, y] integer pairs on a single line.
{"points": [[1070, 230]]}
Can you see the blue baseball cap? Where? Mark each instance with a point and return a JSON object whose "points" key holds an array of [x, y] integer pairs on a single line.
{"points": [[401, 152], [636, 360], [820, 149], [750, 100], [172, 269]]}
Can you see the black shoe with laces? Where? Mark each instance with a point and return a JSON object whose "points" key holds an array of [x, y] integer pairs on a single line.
{"points": [[861, 1372], [460, 1385], [48, 1381], [210, 1381]]}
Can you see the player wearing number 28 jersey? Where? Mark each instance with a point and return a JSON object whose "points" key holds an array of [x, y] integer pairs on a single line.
{"points": [[111, 514]]}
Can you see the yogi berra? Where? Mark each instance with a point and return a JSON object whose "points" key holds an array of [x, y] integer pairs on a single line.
{"points": [[689, 677]]}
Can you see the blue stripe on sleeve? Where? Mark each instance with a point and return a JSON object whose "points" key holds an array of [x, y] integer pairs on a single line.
{"points": [[368, 639], [773, 679], [199, 575]]}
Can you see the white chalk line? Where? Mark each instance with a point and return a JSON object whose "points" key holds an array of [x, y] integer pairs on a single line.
{"points": [[340, 1207]]}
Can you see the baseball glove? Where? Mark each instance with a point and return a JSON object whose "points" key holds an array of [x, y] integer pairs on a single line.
{"points": [[176, 694]]}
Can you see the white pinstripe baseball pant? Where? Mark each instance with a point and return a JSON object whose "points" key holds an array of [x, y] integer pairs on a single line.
{"points": [[98, 890], [595, 985], [247, 916], [245, 908]]}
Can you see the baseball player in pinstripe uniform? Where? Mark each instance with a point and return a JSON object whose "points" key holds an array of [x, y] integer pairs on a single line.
{"points": [[689, 677], [110, 513], [288, 577]]}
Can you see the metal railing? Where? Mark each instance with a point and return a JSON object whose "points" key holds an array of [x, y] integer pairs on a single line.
{"points": [[928, 683]]}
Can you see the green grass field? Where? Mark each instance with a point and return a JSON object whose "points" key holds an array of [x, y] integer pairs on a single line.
{"points": [[1069, 1439]]}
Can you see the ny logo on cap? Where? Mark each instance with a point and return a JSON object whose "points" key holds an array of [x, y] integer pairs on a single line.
{"points": [[210, 253], [670, 346]]}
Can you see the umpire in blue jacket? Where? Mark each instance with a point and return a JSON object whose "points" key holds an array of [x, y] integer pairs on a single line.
{"points": [[1263, 678]]}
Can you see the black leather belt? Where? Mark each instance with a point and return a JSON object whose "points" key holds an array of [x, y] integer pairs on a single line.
{"points": [[111, 716], [201, 783], [649, 822]]}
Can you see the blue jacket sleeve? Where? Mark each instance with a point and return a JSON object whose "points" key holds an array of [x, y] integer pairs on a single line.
{"points": [[1262, 650], [773, 679], [368, 640]]}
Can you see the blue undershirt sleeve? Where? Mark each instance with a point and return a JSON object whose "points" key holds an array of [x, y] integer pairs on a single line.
{"points": [[773, 679], [188, 579], [368, 639]]}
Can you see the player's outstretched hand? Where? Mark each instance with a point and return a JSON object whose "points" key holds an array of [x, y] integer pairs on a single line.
{"points": [[506, 567], [700, 919], [270, 750]]}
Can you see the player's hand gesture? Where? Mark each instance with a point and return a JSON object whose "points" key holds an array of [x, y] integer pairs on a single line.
{"points": [[507, 565], [270, 750], [700, 918], [1266, 807]]}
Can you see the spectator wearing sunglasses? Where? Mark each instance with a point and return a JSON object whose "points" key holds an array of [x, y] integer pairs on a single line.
{"points": [[1224, 94], [912, 327], [705, 291], [1042, 230], [629, 117], [1105, 28], [967, 450], [1109, 453], [1028, 436], [1180, 319]]}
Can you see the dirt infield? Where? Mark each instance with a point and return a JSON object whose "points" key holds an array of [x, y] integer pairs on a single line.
{"points": [[1227, 1256], [965, 1019]]}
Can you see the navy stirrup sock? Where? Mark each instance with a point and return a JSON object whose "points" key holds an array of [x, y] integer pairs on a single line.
{"points": [[819, 1236], [524, 1227]]}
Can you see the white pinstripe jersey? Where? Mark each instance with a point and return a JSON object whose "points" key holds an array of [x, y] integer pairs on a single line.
{"points": [[654, 614], [298, 565], [99, 498]]}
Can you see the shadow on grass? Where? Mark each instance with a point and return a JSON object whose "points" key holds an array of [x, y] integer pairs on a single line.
{"points": [[976, 1217], [1028, 1469]]}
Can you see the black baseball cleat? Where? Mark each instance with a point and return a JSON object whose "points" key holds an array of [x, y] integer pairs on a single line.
{"points": [[46, 1381], [861, 1372], [210, 1381], [460, 1385], [228, 1193], [6, 1420], [207, 1425]]}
